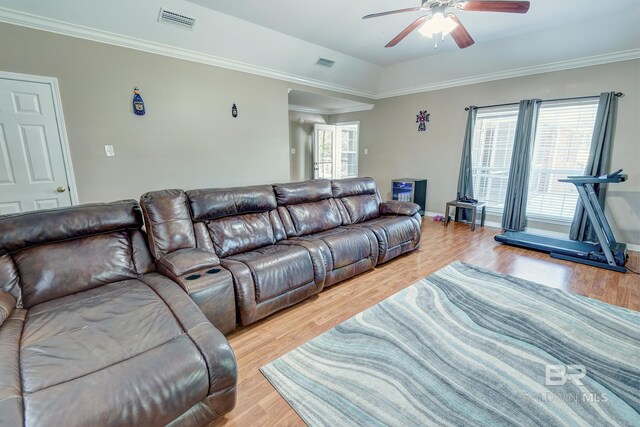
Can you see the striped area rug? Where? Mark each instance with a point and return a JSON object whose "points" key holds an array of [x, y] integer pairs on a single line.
{"points": [[470, 347]]}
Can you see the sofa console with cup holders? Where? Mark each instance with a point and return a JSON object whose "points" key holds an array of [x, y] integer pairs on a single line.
{"points": [[274, 245], [91, 334]]}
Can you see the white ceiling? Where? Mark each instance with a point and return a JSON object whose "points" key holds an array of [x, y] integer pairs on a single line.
{"points": [[338, 24], [284, 39]]}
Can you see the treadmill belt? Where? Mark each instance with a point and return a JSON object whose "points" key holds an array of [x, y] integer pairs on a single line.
{"points": [[547, 244]]}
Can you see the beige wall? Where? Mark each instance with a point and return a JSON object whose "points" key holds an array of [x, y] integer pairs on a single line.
{"points": [[187, 139], [397, 149]]}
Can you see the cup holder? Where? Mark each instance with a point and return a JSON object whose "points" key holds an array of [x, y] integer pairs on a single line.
{"points": [[213, 271], [193, 277]]}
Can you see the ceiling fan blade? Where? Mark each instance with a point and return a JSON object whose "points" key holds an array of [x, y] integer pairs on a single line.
{"points": [[392, 12], [494, 6], [460, 34], [418, 22]]}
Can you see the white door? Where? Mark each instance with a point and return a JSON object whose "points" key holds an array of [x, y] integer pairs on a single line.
{"points": [[323, 151], [32, 168], [335, 151]]}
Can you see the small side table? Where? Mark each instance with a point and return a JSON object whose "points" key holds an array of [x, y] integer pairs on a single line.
{"points": [[461, 205]]}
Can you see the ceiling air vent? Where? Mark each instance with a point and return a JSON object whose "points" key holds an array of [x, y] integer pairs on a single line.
{"points": [[167, 17], [325, 62]]}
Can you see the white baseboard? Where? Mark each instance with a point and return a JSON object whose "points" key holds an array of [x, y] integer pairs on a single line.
{"points": [[630, 246]]}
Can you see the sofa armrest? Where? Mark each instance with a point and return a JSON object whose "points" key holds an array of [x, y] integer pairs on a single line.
{"points": [[215, 349], [210, 286], [396, 207], [7, 305], [185, 261]]}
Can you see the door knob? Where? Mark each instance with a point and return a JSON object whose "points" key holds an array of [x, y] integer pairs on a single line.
{"points": [[61, 189]]}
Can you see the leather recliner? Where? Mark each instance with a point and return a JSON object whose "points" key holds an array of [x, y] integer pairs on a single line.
{"points": [[395, 224], [279, 244], [241, 226], [91, 335], [312, 219]]}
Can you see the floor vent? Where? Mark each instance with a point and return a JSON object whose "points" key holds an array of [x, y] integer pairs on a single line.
{"points": [[325, 62], [172, 18]]}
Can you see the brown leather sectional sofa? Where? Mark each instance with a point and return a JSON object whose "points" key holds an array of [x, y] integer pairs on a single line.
{"points": [[90, 334], [101, 324], [274, 246]]}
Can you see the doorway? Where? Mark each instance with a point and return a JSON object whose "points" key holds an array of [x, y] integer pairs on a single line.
{"points": [[313, 117], [35, 164]]}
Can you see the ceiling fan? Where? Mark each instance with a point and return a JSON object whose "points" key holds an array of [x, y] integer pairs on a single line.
{"points": [[437, 20]]}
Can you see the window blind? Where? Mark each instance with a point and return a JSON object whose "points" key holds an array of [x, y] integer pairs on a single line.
{"points": [[561, 148], [492, 146]]}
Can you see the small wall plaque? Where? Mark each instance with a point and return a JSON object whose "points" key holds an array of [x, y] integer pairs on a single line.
{"points": [[422, 119]]}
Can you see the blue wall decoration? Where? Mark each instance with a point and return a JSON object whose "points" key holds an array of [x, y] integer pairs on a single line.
{"points": [[422, 118], [234, 111], [138, 103]]}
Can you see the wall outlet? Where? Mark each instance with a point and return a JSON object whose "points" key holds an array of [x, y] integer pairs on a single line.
{"points": [[366, 151], [108, 150], [293, 151]]}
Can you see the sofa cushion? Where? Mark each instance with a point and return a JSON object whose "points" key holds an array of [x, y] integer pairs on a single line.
{"points": [[215, 203], [361, 208], [395, 234], [116, 349], [29, 229], [277, 269], [167, 217], [313, 217], [357, 198], [397, 229], [302, 192], [240, 233], [353, 187], [346, 245], [58, 269]]}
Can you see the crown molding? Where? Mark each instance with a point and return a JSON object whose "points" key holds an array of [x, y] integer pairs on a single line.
{"points": [[607, 58], [24, 19], [331, 112]]}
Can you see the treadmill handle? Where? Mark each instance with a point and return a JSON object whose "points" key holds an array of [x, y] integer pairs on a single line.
{"points": [[614, 174]]}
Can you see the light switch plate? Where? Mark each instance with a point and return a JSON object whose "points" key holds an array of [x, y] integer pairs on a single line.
{"points": [[366, 151], [108, 150]]}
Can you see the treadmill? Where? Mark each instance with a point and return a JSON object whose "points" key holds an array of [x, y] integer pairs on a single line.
{"points": [[607, 253]]}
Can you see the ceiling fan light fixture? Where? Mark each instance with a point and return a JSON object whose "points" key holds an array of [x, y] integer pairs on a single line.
{"points": [[438, 24]]}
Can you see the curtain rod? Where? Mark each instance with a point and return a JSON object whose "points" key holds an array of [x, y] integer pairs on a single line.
{"points": [[618, 94]]}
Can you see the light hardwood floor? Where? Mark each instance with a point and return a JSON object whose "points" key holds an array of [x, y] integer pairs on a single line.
{"points": [[260, 405]]}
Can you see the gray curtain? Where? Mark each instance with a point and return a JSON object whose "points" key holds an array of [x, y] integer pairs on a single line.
{"points": [[599, 163], [515, 204], [465, 178]]}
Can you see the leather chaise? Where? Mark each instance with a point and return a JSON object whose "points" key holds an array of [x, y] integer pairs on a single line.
{"points": [[90, 334]]}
